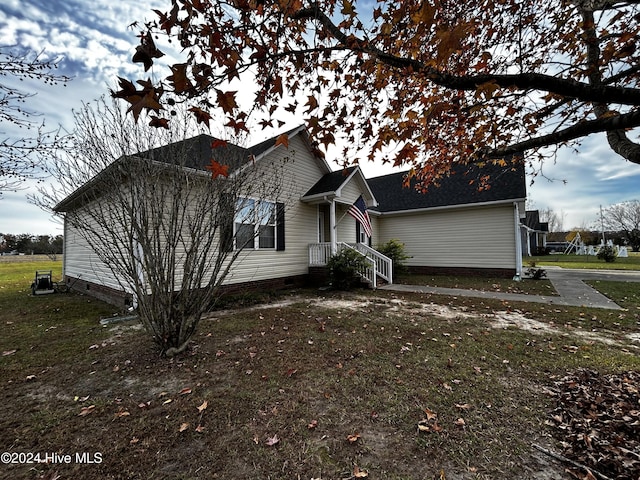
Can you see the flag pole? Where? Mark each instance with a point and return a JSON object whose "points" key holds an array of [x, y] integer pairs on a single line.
{"points": [[343, 215]]}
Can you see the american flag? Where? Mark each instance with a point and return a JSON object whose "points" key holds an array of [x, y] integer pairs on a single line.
{"points": [[359, 211]]}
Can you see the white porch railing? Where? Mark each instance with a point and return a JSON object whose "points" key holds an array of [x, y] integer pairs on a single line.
{"points": [[319, 254], [378, 264], [384, 265]]}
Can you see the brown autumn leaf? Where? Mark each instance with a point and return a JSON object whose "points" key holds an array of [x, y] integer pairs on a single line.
{"points": [[431, 415], [217, 169], [86, 410], [8, 352], [201, 115], [148, 101], [283, 140], [199, 428], [353, 438], [357, 473], [227, 101], [146, 51], [313, 424], [429, 426], [179, 78], [272, 441], [159, 122], [183, 426], [203, 407], [185, 391]]}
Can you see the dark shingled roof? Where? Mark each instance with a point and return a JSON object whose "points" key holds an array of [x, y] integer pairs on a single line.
{"points": [[195, 152], [198, 152], [460, 188], [330, 182], [532, 220]]}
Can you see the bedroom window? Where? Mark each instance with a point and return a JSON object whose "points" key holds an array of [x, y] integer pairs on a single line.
{"points": [[255, 224]]}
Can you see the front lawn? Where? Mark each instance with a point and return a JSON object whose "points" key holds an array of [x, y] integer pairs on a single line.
{"points": [[526, 286], [632, 262], [346, 385]]}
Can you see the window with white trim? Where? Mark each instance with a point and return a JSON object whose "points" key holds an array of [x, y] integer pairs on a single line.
{"points": [[255, 224]]}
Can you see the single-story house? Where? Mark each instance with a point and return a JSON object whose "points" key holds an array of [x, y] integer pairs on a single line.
{"points": [[453, 228], [534, 233]]}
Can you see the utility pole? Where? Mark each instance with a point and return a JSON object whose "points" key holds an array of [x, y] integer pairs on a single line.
{"points": [[602, 225]]}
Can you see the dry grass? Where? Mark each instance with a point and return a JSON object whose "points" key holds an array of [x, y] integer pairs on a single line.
{"points": [[277, 391]]}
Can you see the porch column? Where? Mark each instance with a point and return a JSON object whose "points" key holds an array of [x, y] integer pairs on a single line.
{"points": [[516, 218], [332, 227]]}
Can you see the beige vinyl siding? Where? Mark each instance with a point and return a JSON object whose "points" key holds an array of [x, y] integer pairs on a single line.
{"points": [[81, 262], [301, 220], [346, 224], [482, 237], [302, 171], [375, 230], [350, 192]]}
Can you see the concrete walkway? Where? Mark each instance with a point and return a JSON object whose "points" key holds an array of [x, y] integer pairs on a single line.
{"points": [[569, 285]]}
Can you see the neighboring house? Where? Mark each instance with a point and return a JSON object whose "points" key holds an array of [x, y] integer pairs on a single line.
{"points": [[534, 233], [452, 228]]}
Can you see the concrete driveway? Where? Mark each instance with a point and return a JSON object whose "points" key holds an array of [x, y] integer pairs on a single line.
{"points": [[569, 284]]}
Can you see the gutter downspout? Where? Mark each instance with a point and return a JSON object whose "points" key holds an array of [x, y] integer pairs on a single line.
{"points": [[516, 221]]}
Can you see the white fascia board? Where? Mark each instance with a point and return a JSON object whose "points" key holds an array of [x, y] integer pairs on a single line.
{"points": [[363, 181], [321, 161], [318, 197], [452, 207]]}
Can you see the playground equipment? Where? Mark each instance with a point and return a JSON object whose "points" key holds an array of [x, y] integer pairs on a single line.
{"points": [[581, 249]]}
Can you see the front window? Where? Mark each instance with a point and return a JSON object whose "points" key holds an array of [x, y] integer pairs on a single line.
{"points": [[255, 224]]}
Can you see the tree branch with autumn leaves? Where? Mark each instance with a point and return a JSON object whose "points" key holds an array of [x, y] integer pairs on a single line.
{"points": [[419, 84]]}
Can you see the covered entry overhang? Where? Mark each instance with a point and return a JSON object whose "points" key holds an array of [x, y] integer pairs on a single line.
{"points": [[333, 195], [337, 191]]}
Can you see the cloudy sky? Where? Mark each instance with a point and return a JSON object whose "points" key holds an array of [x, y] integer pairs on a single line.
{"points": [[96, 43]]}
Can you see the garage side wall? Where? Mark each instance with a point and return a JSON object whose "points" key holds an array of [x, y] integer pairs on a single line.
{"points": [[480, 238]]}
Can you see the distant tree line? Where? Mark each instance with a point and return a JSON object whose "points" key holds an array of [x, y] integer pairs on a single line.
{"points": [[26, 243]]}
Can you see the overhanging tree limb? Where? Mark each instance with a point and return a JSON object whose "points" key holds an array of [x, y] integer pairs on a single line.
{"points": [[526, 81]]}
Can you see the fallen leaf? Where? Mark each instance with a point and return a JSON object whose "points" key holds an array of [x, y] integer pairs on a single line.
{"points": [[122, 413], [459, 422], [271, 441], [8, 352], [199, 428], [353, 438], [183, 427], [357, 473], [429, 426], [463, 406], [168, 400], [86, 410], [203, 407], [313, 424], [134, 440], [31, 377], [185, 391], [430, 414]]}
